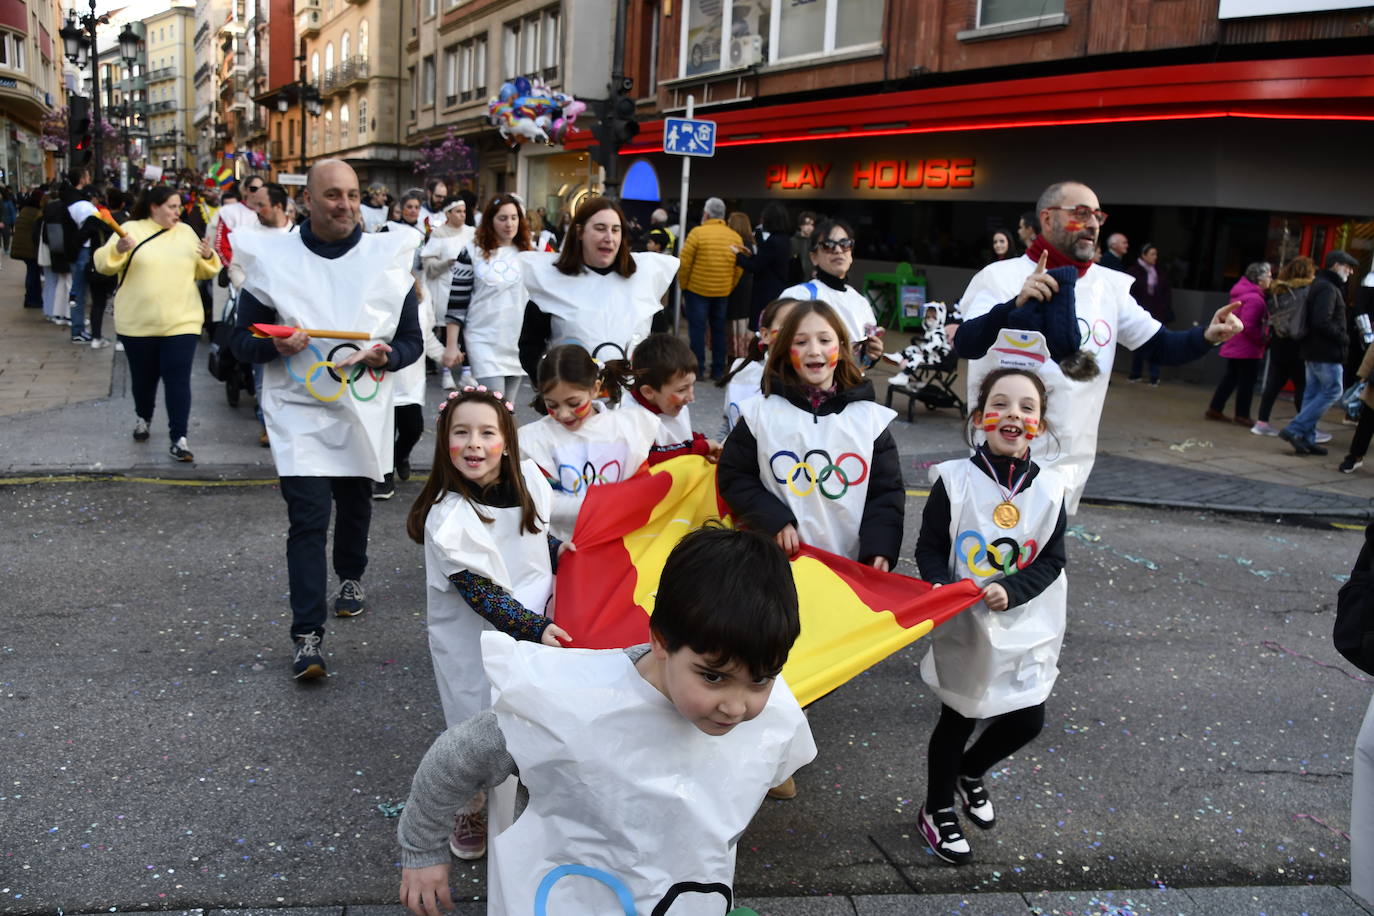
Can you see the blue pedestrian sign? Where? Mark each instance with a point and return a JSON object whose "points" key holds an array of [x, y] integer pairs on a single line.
{"points": [[687, 137]]}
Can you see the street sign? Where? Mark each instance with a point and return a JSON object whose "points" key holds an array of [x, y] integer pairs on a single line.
{"points": [[291, 178], [688, 137]]}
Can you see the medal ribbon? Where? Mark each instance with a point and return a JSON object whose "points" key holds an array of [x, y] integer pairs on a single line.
{"points": [[1009, 492]]}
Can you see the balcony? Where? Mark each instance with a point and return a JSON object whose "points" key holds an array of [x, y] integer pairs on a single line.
{"points": [[134, 84], [336, 79], [202, 73], [165, 73], [308, 18]]}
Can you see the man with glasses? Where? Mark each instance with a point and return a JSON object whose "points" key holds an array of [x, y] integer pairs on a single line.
{"points": [[1070, 222]]}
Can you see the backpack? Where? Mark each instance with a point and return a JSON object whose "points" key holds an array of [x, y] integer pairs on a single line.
{"points": [[1287, 313]]}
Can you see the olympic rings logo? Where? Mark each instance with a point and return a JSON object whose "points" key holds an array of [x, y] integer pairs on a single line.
{"points": [[815, 480], [622, 893], [1007, 556], [573, 480], [327, 364], [1100, 332], [732, 415]]}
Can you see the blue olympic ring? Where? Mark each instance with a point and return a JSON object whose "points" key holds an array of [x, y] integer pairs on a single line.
{"points": [[1004, 552], [319, 358], [801, 468], [589, 475], [541, 894]]}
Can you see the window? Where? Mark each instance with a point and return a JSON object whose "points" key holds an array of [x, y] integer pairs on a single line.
{"points": [[362, 39], [343, 49], [510, 51], [414, 92], [431, 7], [315, 67], [328, 57], [362, 117], [329, 130], [427, 82], [343, 125], [733, 34], [451, 63], [999, 12], [553, 43], [533, 46], [479, 66]]}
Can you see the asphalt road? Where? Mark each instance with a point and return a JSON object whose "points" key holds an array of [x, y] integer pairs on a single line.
{"points": [[154, 753]]}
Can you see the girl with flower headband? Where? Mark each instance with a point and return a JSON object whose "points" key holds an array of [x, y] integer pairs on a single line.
{"points": [[579, 443], [488, 560]]}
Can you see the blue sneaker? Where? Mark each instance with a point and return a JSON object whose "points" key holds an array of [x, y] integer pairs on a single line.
{"points": [[308, 663]]}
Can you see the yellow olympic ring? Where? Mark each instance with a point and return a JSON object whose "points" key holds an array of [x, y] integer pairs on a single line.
{"points": [[310, 386], [792, 475]]}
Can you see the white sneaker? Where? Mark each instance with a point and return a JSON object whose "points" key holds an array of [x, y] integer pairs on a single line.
{"points": [[446, 380], [99, 343], [1263, 429], [119, 346], [1319, 437]]}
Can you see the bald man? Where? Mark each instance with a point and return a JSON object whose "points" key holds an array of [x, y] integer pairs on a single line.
{"points": [[327, 402]]}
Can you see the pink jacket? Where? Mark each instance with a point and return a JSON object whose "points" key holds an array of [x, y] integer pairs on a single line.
{"points": [[1248, 344]]}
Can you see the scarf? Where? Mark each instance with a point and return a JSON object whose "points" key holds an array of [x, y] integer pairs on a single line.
{"points": [[818, 396], [1056, 257], [1151, 275]]}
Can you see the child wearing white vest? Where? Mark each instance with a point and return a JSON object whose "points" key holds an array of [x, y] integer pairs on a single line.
{"points": [[578, 443], [996, 518], [743, 380], [488, 562], [665, 378], [812, 460], [644, 766]]}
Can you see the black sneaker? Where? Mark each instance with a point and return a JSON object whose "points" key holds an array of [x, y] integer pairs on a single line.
{"points": [[350, 601], [942, 834], [140, 430], [81, 338], [1299, 446], [180, 451], [1315, 449], [308, 662], [384, 490], [1350, 464], [977, 802], [403, 469]]}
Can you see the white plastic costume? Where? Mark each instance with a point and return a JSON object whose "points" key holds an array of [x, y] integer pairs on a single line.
{"points": [[456, 539], [743, 387], [629, 802], [608, 447], [671, 430], [983, 663], [437, 257], [410, 380], [606, 314], [497, 310], [1107, 315], [852, 306], [324, 423], [818, 466]]}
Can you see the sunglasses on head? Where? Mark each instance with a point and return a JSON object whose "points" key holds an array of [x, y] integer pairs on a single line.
{"points": [[837, 244]]}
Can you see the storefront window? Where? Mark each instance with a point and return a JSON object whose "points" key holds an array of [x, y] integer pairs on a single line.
{"points": [[751, 24], [802, 28], [996, 12], [858, 22], [701, 44]]}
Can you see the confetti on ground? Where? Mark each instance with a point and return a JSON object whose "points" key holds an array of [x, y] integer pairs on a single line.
{"points": [[391, 810], [1275, 647], [1190, 443]]}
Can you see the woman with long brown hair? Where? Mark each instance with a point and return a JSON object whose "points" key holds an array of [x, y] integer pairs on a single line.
{"points": [[1284, 362], [594, 292], [497, 308]]}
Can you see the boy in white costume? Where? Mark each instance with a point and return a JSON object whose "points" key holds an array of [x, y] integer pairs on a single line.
{"points": [[644, 766]]}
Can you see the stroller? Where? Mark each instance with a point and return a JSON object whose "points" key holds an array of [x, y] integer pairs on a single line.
{"points": [[236, 376], [928, 368]]}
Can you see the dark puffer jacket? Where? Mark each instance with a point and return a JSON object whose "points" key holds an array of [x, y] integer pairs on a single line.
{"points": [[1326, 340]]}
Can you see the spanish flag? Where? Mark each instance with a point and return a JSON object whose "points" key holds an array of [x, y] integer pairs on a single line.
{"points": [[852, 615]]}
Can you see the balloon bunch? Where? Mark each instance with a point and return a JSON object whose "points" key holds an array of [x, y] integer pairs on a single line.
{"points": [[525, 109]]}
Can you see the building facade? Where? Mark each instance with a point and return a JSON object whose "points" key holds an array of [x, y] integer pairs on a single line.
{"points": [[31, 87], [170, 49]]}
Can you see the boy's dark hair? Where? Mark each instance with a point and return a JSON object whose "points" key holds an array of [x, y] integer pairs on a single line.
{"points": [[728, 595], [230, 193], [659, 358], [276, 195], [1031, 219]]}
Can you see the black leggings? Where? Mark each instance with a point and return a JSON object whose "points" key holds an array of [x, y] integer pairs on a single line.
{"points": [[1364, 429], [1005, 735], [1285, 364], [1240, 378], [410, 426]]}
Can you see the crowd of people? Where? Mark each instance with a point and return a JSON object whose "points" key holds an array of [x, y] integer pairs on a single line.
{"points": [[650, 760]]}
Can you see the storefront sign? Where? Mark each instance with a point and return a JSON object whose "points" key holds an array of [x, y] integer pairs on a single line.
{"points": [[880, 174]]}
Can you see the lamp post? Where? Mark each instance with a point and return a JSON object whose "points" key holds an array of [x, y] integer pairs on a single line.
{"points": [[124, 111], [79, 45], [308, 97]]}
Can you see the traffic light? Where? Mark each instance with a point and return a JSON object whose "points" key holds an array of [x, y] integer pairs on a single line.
{"points": [[615, 126], [78, 131]]}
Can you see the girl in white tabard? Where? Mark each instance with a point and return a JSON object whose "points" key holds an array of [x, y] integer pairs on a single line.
{"points": [[580, 443], [498, 300], [832, 254], [482, 520], [594, 292], [996, 518], [447, 264], [743, 381]]}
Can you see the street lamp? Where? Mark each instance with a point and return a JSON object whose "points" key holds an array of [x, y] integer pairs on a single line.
{"points": [[307, 96], [79, 46]]}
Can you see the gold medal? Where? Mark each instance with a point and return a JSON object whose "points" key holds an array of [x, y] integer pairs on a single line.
{"points": [[1005, 515]]}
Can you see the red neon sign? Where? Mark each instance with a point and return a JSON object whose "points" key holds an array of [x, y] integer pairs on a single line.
{"points": [[917, 173], [811, 175]]}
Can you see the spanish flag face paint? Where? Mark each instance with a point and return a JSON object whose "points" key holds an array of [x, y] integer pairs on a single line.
{"points": [[990, 420]]}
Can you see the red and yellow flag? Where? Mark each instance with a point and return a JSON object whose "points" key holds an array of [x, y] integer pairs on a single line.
{"points": [[852, 616]]}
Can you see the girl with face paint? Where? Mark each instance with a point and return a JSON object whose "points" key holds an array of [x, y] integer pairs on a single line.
{"points": [[997, 660]]}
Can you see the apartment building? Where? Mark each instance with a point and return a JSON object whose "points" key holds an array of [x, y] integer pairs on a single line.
{"points": [[31, 86], [210, 135], [170, 49]]}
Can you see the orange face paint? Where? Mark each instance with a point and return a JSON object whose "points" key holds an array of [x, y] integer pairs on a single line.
{"points": [[1032, 426], [796, 356], [990, 419], [581, 410], [832, 357], [1073, 225]]}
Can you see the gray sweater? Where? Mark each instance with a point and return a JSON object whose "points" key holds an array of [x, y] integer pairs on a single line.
{"points": [[469, 757]]}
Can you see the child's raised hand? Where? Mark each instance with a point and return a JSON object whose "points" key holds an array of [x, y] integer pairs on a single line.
{"points": [[880, 564], [555, 636], [424, 891], [713, 451], [995, 597], [788, 540]]}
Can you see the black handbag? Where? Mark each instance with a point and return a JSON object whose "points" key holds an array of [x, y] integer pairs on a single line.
{"points": [[1353, 633]]}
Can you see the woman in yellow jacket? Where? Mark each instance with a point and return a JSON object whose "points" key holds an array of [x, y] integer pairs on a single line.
{"points": [[157, 310]]}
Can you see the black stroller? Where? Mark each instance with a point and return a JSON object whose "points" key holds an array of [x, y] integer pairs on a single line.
{"points": [[236, 376], [928, 369]]}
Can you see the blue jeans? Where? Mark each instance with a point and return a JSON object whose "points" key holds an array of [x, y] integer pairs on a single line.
{"points": [[78, 292], [700, 310], [1322, 390]]}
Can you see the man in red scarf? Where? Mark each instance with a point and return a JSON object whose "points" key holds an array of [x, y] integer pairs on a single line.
{"points": [[1071, 220]]}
